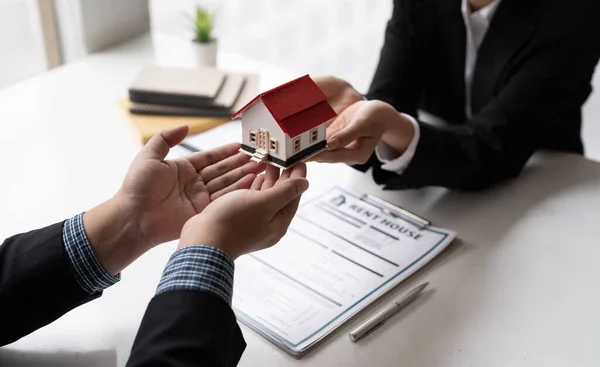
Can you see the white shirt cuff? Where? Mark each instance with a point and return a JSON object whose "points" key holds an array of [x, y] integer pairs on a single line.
{"points": [[394, 161]]}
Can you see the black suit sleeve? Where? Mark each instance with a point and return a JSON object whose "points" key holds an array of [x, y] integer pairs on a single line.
{"points": [[546, 89], [36, 283], [187, 328], [497, 142], [398, 78]]}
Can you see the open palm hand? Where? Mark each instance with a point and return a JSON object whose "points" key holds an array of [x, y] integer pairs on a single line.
{"points": [[164, 194]]}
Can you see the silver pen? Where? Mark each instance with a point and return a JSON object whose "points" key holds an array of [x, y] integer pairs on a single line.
{"points": [[379, 319]]}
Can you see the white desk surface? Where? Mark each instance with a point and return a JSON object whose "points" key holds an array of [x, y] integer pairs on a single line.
{"points": [[520, 288]]}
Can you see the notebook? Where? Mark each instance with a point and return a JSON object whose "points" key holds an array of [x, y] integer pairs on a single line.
{"points": [[178, 86], [223, 105], [165, 110], [147, 125]]}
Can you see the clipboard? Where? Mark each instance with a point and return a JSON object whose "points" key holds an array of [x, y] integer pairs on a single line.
{"points": [[395, 210], [341, 254]]}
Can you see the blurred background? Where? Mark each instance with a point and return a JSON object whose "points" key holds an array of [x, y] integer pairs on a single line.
{"points": [[340, 37]]}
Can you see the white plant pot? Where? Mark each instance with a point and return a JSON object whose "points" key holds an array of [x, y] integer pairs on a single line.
{"points": [[206, 53], [174, 51]]}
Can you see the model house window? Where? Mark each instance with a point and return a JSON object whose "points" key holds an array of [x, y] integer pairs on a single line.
{"points": [[274, 145], [253, 137], [314, 135], [297, 145]]}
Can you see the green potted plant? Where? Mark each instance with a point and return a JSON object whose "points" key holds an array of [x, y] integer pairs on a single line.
{"points": [[206, 44]]}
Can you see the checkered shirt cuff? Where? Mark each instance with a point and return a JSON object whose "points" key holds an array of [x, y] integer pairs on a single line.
{"points": [[199, 267], [87, 270]]}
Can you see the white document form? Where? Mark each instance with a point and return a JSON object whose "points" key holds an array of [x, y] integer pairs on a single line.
{"points": [[339, 255]]}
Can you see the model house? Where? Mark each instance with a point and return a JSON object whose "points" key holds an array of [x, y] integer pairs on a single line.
{"points": [[286, 125]]}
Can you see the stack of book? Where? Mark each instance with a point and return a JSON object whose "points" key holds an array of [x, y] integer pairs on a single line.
{"points": [[202, 98]]}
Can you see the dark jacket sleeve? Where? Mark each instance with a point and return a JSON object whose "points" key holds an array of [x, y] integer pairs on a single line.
{"points": [[187, 328], [496, 143], [36, 283], [398, 78], [548, 87]]}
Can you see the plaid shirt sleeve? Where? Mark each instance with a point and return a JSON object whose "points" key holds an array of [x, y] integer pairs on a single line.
{"points": [[199, 267], [87, 270]]}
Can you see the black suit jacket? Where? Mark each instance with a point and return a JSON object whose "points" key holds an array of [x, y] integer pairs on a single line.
{"points": [[532, 75], [180, 328]]}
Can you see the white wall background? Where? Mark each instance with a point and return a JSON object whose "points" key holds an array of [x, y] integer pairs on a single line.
{"points": [[340, 37], [108, 22], [21, 44], [84, 26]]}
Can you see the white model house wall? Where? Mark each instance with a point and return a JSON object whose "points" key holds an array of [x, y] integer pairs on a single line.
{"points": [[304, 140], [258, 117]]}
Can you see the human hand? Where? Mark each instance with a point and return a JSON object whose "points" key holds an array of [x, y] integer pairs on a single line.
{"points": [[354, 133], [164, 194], [244, 221], [158, 196], [340, 94]]}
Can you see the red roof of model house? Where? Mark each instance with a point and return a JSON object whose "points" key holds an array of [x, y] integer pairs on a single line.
{"points": [[297, 106]]}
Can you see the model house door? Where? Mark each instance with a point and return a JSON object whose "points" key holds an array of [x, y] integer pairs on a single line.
{"points": [[263, 139]]}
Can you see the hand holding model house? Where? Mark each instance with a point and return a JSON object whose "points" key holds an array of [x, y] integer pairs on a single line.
{"points": [[286, 124]]}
